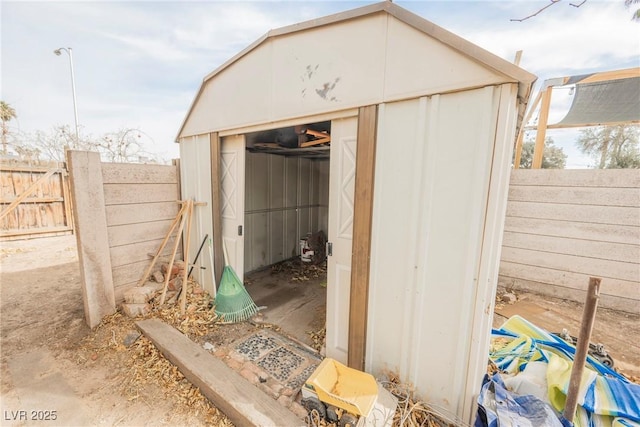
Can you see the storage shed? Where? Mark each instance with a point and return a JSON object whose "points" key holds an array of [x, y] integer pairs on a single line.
{"points": [[395, 137]]}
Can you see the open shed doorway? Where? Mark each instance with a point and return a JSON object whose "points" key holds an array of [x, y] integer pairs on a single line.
{"points": [[286, 226]]}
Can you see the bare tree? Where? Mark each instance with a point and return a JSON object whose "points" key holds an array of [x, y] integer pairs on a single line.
{"points": [[121, 146], [612, 147], [551, 3], [7, 113]]}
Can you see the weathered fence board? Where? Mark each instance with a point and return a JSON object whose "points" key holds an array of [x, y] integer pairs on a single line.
{"points": [[141, 212], [43, 211], [561, 245], [605, 269], [564, 226], [134, 252], [575, 230], [91, 236], [122, 194], [614, 215], [619, 178], [127, 234], [140, 203], [598, 196], [126, 173]]}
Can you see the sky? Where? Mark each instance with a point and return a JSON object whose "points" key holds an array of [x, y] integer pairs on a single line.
{"points": [[139, 64]]}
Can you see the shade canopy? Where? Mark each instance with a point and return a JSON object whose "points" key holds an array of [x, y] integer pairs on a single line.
{"points": [[604, 102]]}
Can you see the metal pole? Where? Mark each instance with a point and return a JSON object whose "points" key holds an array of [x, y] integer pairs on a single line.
{"points": [[588, 318], [73, 88]]}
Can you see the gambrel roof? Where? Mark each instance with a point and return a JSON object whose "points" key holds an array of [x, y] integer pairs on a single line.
{"points": [[375, 46]]}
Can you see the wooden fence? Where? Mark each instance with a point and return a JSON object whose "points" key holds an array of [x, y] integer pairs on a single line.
{"points": [[122, 212], [563, 226], [34, 200]]}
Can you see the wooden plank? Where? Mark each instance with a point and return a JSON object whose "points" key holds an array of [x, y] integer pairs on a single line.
{"points": [[548, 276], [242, 402], [119, 194], [606, 301], [575, 230], [130, 173], [125, 254], [32, 188], [141, 212], [606, 269], [614, 178], [531, 107], [134, 233], [33, 232], [626, 73], [577, 196], [91, 234], [584, 248], [362, 220], [29, 168], [615, 215], [216, 205], [26, 200], [68, 211], [543, 118]]}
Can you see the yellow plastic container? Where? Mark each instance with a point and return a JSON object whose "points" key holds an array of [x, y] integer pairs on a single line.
{"points": [[344, 387]]}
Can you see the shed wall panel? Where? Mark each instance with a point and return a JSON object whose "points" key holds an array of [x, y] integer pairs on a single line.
{"points": [[195, 155], [431, 67], [431, 192], [323, 78], [281, 207]]}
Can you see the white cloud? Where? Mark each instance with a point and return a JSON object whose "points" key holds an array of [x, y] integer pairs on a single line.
{"points": [[139, 63]]}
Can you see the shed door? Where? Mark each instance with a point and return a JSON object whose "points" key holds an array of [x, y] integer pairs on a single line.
{"points": [[341, 195], [232, 173]]}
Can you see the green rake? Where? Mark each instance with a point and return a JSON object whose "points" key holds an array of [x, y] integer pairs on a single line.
{"points": [[233, 303]]}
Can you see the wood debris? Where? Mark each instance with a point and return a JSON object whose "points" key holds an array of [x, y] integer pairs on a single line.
{"points": [[412, 412], [318, 338], [299, 271], [141, 365]]}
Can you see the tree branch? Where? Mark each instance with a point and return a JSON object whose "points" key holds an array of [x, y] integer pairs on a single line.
{"points": [[552, 2]]}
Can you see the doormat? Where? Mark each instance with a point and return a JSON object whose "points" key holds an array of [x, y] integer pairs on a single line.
{"points": [[288, 362]]}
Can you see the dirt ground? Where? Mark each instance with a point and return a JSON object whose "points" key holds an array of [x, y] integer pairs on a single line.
{"points": [[51, 374], [53, 366]]}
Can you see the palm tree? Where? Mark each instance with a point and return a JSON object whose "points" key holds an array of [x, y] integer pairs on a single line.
{"points": [[7, 113]]}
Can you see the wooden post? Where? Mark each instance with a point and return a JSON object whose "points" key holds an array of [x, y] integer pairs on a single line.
{"points": [[161, 248], [85, 171], [362, 221], [588, 318], [216, 206], [541, 133], [173, 254], [185, 247], [66, 194], [531, 108]]}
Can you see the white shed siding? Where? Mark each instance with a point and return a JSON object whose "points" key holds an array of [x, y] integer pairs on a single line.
{"points": [[195, 181], [368, 60], [282, 204], [431, 201], [416, 65]]}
